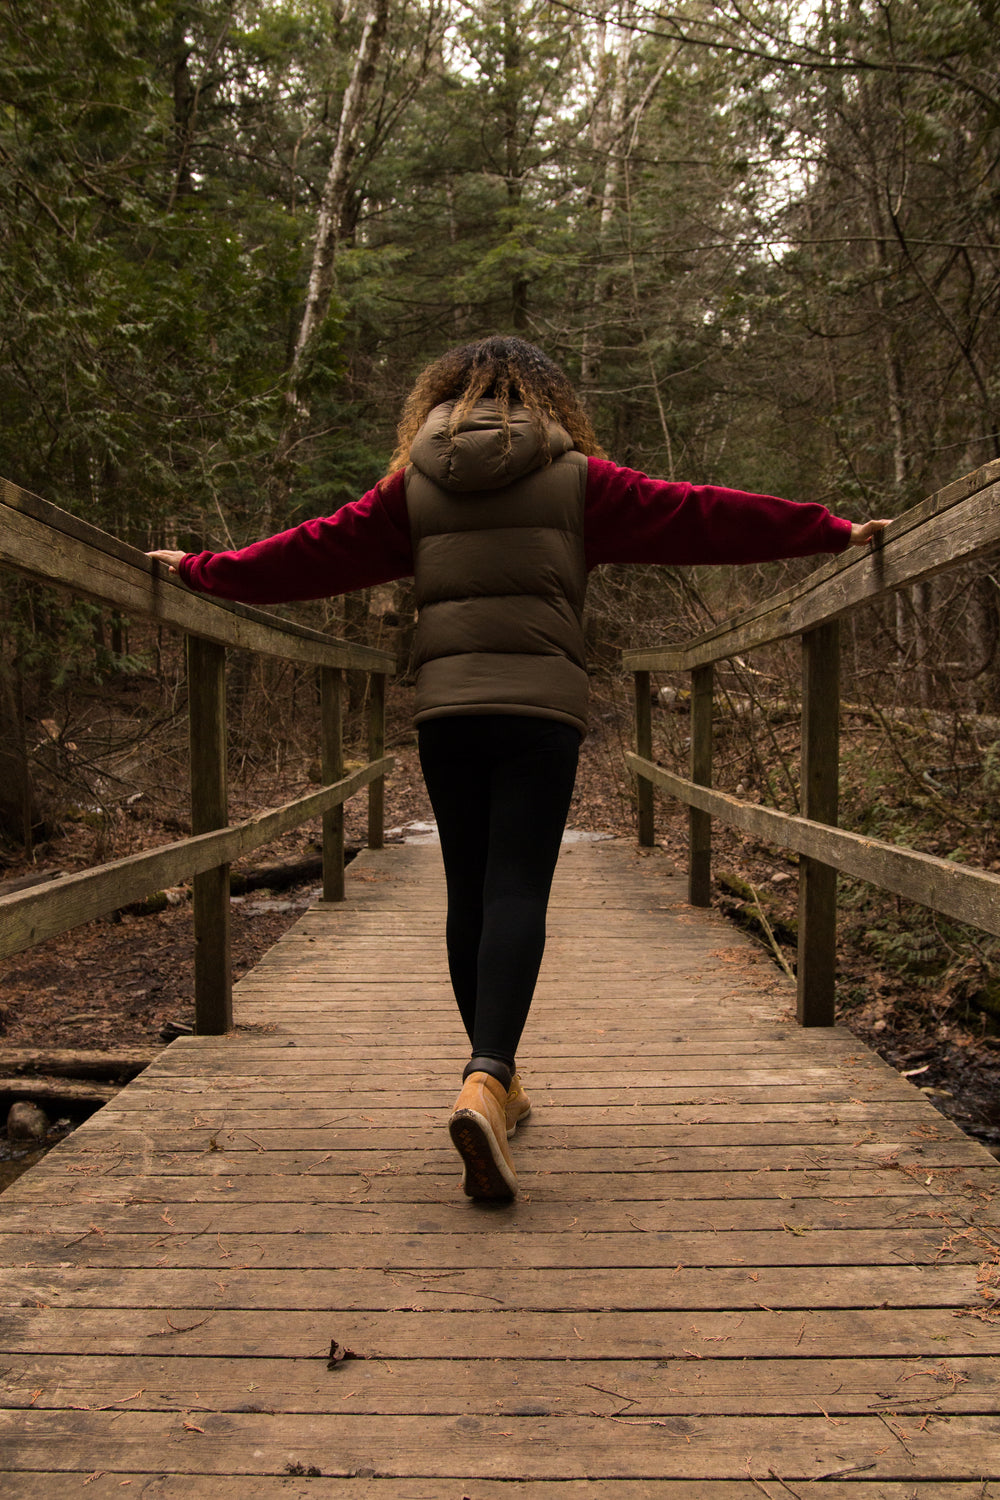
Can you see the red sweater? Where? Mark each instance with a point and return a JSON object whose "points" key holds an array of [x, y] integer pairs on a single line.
{"points": [[628, 518]]}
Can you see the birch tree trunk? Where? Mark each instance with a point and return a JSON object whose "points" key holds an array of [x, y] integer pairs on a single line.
{"points": [[612, 72], [329, 227]]}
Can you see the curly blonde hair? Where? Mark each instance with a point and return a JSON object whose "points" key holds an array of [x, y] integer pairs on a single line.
{"points": [[510, 370]]}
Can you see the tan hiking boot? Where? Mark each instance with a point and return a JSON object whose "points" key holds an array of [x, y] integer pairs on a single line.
{"points": [[517, 1106], [478, 1129]]}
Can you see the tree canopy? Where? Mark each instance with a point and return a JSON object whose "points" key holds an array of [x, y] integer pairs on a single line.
{"points": [[762, 237]]}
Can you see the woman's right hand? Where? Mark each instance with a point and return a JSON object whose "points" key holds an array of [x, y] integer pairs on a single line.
{"points": [[164, 555]]}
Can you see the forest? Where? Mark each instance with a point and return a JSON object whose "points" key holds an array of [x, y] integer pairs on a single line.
{"points": [[761, 237]]}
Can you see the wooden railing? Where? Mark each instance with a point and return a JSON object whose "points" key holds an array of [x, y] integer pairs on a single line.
{"points": [[48, 544], [959, 523]]}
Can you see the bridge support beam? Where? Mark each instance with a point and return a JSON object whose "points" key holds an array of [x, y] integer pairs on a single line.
{"points": [[213, 984], [644, 747], [376, 749], [817, 959], [331, 695], [700, 823]]}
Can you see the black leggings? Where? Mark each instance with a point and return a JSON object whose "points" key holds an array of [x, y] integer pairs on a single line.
{"points": [[500, 786]]}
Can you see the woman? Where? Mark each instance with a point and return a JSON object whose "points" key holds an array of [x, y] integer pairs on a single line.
{"points": [[499, 500]]}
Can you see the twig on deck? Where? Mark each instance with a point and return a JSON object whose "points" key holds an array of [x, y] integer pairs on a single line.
{"points": [[778, 1480], [757, 1484], [782, 960]]}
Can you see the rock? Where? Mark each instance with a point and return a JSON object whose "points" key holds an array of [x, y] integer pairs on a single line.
{"points": [[780, 878], [26, 1122]]}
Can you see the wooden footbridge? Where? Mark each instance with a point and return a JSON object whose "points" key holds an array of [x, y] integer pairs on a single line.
{"points": [[748, 1258]]}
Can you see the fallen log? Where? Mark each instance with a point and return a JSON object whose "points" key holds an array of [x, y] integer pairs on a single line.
{"points": [[56, 1093], [71, 1062], [276, 877], [28, 882]]}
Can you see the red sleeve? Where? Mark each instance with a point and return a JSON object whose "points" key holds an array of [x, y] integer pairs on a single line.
{"points": [[633, 519], [364, 543]]}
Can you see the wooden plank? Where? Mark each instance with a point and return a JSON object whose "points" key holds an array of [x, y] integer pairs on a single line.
{"points": [[634, 1234], [267, 1067], [234, 1153], [886, 1129], [704, 1387], [290, 1121], [346, 1043], [103, 1485], [756, 1333], [234, 1283], [537, 1446], [45, 542], [565, 1192], [936, 1185], [756, 1247], [958, 891], [29, 917]]}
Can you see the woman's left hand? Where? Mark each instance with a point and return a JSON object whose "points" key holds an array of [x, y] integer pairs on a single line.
{"points": [[866, 532], [164, 555]]}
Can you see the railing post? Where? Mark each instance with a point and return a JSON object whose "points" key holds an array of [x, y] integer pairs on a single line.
{"points": [[700, 823], [817, 958], [644, 747], [213, 985], [331, 689], [376, 749]]}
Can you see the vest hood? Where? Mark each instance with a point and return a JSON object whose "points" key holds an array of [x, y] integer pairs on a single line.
{"points": [[476, 456]]}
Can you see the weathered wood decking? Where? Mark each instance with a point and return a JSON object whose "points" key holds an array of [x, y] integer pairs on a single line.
{"points": [[748, 1258]]}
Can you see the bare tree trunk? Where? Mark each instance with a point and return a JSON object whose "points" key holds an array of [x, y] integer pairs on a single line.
{"points": [[357, 611], [18, 809], [922, 596], [984, 629], [606, 130], [187, 99], [329, 228], [892, 367], [614, 136]]}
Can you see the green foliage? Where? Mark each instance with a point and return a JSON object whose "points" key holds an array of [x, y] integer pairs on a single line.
{"points": [[690, 229], [141, 314], [913, 950], [733, 249]]}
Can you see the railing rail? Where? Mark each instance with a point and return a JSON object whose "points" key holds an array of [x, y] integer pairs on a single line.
{"points": [[955, 525], [959, 523], [47, 544]]}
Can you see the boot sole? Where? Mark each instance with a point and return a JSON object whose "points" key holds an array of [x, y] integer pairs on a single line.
{"points": [[486, 1174]]}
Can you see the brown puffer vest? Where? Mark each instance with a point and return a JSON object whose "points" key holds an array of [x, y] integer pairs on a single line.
{"points": [[499, 568]]}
